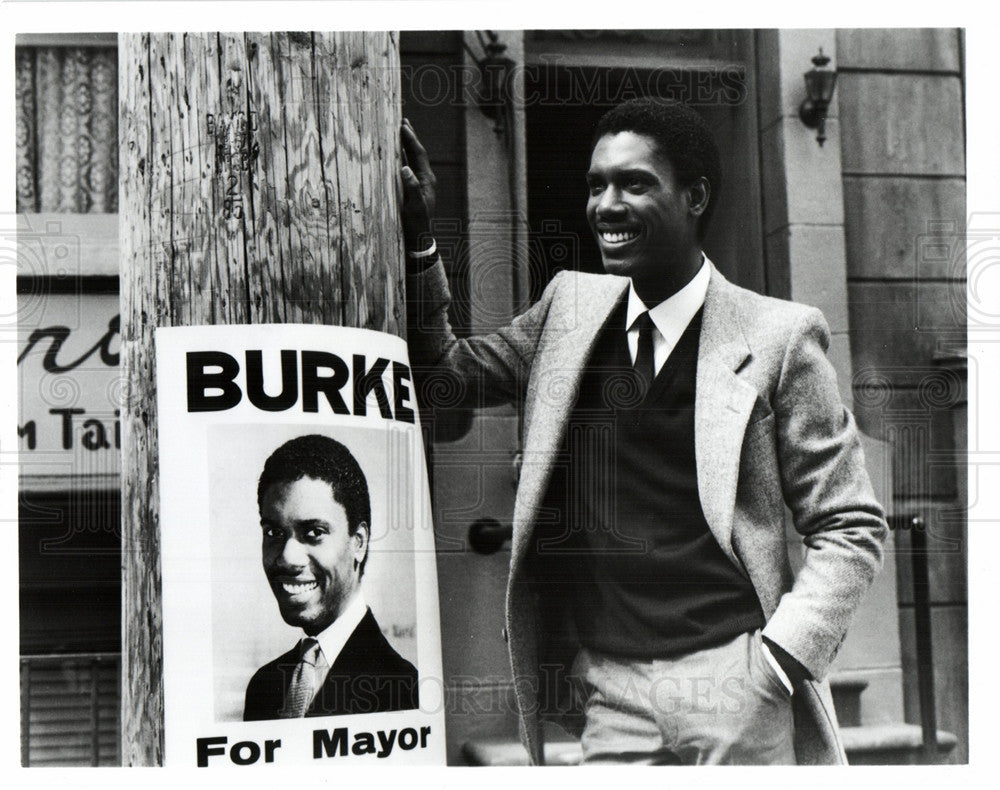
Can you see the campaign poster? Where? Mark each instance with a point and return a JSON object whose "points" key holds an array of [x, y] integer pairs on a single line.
{"points": [[300, 611]]}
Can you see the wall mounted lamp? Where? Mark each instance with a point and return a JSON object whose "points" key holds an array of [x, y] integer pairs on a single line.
{"points": [[492, 92], [820, 84]]}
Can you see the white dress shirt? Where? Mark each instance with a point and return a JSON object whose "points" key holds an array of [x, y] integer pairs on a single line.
{"points": [[333, 638], [670, 317]]}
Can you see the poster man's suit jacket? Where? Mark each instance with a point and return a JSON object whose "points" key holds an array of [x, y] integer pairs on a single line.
{"points": [[770, 432], [368, 676]]}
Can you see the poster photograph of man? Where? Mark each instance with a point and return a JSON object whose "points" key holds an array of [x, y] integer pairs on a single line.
{"points": [[315, 516], [315, 565]]}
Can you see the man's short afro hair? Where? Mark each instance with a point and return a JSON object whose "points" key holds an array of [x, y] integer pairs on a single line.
{"points": [[681, 135], [320, 458]]}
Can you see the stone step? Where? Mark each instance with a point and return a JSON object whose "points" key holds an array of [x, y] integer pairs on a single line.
{"points": [[847, 699], [877, 744], [560, 749], [892, 744]]}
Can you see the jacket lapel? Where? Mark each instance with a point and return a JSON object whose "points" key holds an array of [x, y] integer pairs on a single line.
{"points": [[723, 404], [571, 330]]}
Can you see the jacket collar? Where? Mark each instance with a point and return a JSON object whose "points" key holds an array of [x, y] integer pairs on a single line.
{"points": [[723, 404], [722, 338], [723, 401]]}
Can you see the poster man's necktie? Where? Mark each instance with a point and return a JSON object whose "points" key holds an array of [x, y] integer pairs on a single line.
{"points": [[304, 680], [644, 354]]}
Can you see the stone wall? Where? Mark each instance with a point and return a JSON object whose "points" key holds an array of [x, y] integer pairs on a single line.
{"points": [[902, 139]]}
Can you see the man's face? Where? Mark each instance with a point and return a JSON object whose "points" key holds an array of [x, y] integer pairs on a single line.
{"points": [[308, 556], [638, 213]]}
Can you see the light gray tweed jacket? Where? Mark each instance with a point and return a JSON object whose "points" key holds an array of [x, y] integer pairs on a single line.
{"points": [[770, 432]]}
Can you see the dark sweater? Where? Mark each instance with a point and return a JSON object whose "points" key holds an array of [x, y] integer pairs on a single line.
{"points": [[647, 577]]}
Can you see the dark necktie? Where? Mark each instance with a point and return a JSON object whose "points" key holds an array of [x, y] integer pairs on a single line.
{"points": [[304, 680], [644, 354]]}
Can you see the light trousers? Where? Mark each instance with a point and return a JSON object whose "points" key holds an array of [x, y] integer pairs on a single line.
{"points": [[721, 705]]}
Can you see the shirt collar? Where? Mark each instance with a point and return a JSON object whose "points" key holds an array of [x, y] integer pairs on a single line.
{"points": [[672, 315], [333, 638]]}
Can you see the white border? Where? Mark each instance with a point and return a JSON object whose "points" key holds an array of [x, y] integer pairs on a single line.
{"points": [[983, 196]]}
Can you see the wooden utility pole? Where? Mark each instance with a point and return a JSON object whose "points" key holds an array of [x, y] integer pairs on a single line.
{"points": [[258, 185]]}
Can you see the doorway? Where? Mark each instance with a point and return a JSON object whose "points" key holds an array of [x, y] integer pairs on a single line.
{"points": [[563, 106]]}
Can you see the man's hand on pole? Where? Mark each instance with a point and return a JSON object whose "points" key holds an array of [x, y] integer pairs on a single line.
{"points": [[418, 192]]}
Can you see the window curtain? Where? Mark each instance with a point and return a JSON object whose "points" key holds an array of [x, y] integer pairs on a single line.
{"points": [[67, 129]]}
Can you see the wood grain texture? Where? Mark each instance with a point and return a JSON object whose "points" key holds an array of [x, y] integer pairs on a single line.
{"points": [[142, 652], [258, 182]]}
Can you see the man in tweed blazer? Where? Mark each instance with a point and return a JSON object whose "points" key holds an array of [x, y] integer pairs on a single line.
{"points": [[760, 412]]}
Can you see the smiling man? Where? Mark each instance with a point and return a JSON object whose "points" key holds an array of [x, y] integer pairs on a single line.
{"points": [[315, 517], [645, 210], [649, 560]]}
